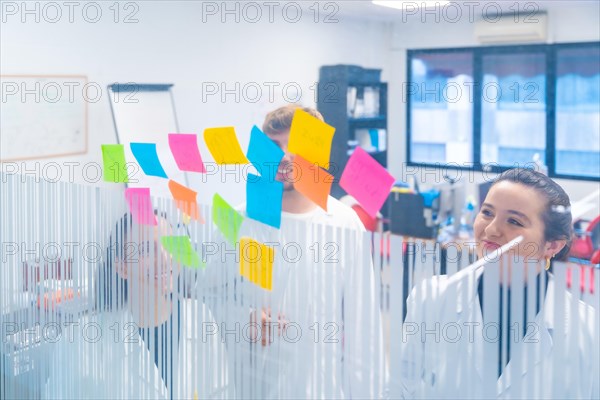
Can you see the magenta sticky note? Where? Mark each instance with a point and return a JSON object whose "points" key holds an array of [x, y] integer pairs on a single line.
{"points": [[367, 181], [185, 151], [140, 205]]}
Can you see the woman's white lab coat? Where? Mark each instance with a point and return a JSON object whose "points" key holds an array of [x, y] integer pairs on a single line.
{"points": [[94, 362], [452, 359]]}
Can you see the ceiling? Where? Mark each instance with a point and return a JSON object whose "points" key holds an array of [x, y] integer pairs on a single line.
{"points": [[365, 9]]}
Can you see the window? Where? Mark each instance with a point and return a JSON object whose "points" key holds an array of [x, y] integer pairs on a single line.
{"points": [[578, 111], [513, 101], [505, 106], [441, 111]]}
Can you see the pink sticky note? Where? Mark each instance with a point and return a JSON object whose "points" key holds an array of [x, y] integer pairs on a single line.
{"points": [[140, 205], [185, 151], [367, 181]]}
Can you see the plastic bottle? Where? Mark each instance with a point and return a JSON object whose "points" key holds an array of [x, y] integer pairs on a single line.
{"points": [[466, 219], [539, 165]]}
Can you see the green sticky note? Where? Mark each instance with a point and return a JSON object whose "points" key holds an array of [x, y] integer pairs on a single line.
{"points": [[227, 219], [181, 249], [115, 167]]}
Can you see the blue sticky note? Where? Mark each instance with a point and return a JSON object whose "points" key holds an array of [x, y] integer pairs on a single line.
{"points": [[263, 200], [146, 156], [264, 154]]}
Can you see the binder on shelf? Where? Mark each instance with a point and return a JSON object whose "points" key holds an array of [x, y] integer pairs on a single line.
{"points": [[351, 100], [370, 140], [371, 101]]}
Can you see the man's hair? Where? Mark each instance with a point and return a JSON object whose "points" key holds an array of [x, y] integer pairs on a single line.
{"points": [[280, 120]]}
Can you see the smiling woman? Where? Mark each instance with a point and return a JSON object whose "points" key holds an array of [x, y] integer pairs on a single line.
{"points": [[138, 317], [142, 266], [527, 203], [145, 276], [515, 295]]}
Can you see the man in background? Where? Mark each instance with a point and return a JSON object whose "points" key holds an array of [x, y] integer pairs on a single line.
{"points": [[321, 329]]}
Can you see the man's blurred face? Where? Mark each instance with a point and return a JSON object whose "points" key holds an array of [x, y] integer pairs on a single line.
{"points": [[284, 171]]}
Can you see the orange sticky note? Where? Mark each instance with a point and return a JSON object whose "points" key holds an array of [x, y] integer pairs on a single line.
{"points": [[185, 198], [312, 181], [256, 262], [311, 138], [224, 146]]}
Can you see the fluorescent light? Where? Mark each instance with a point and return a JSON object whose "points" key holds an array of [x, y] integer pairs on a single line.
{"points": [[402, 5]]}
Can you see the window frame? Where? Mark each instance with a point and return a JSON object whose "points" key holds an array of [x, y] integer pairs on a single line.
{"points": [[550, 51]]}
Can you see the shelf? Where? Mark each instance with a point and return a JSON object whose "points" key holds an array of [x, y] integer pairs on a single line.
{"points": [[362, 120], [365, 84], [372, 122], [374, 153], [354, 95]]}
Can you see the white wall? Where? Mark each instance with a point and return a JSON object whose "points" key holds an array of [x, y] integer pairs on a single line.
{"points": [[577, 23], [172, 44]]}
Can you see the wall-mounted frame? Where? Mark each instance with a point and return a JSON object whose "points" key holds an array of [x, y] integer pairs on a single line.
{"points": [[44, 116]]}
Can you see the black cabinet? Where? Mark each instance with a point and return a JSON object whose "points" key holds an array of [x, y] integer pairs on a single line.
{"points": [[354, 101]]}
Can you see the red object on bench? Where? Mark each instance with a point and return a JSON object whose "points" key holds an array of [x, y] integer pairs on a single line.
{"points": [[582, 278], [54, 298]]}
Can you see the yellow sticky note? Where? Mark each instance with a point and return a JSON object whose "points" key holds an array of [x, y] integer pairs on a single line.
{"points": [[311, 138], [256, 262], [224, 146]]}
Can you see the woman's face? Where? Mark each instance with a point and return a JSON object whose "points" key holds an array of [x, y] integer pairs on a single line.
{"points": [[153, 268], [510, 210]]}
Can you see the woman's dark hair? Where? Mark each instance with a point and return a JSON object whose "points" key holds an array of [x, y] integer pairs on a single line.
{"points": [[558, 224], [112, 289]]}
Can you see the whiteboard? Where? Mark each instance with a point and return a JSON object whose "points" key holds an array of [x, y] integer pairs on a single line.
{"points": [[146, 113], [43, 116]]}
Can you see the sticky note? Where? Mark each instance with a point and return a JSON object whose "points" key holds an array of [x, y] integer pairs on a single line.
{"points": [[180, 247], [256, 262], [140, 205], [263, 200], [264, 154], [224, 146], [366, 180], [312, 181], [115, 167], [146, 156], [227, 219], [185, 199], [186, 153], [311, 138]]}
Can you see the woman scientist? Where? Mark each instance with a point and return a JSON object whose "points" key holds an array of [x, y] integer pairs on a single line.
{"points": [[457, 346], [146, 347]]}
